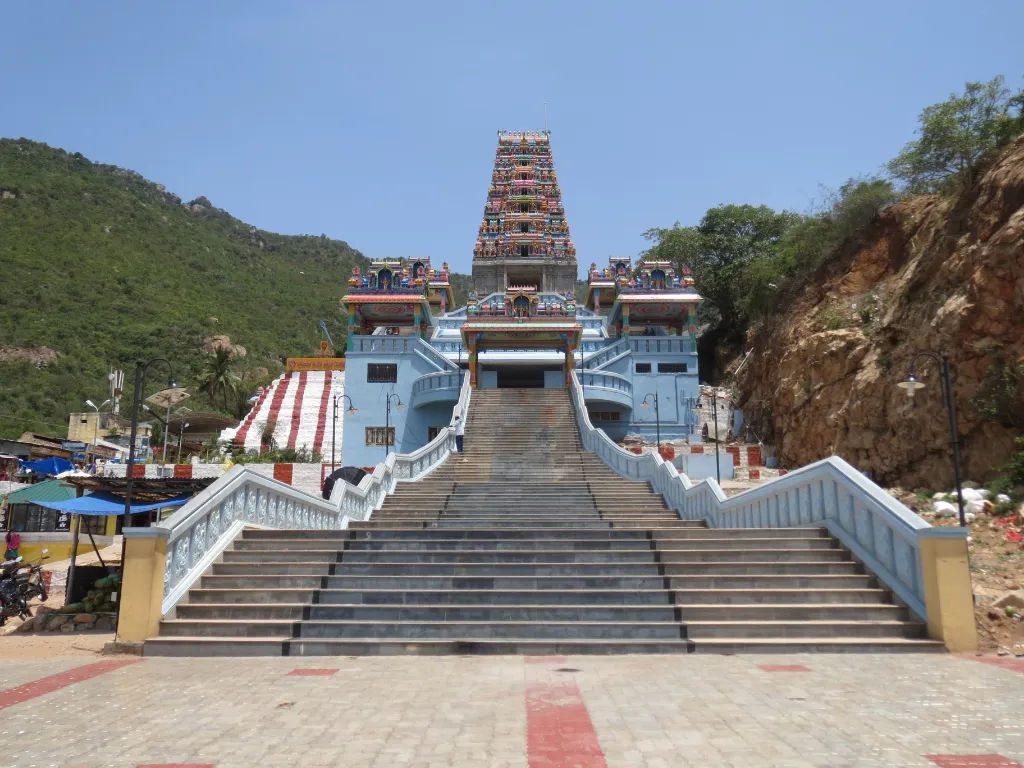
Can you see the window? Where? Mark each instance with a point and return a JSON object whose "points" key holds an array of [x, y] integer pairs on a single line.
{"points": [[380, 435], [605, 415], [377, 373], [643, 368], [524, 207], [671, 367], [523, 227], [524, 251]]}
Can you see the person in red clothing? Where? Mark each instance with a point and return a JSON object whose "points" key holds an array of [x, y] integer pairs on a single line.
{"points": [[12, 541]]}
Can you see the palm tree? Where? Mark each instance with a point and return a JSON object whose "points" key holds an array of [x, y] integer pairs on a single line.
{"points": [[218, 377]]}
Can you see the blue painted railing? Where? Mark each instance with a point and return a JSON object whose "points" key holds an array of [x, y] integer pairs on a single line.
{"points": [[879, 530]]}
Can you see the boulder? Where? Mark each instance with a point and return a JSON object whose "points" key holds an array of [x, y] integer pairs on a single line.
{"points": [[84, 618], [67, 628], [944, 509], [104, 624], [57, 621]]}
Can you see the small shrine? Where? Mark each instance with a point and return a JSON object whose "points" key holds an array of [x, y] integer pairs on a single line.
{"points": [[394, 294]]}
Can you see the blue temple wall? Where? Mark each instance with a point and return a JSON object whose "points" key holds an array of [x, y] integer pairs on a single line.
{"points": [[369, 398]]}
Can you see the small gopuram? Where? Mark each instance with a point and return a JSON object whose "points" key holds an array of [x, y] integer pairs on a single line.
{"points": [[524, 237]]}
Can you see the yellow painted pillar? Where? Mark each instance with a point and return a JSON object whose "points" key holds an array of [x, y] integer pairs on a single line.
{"points": [[472, 364], [142, 590], [570, 363], [949, 598]]}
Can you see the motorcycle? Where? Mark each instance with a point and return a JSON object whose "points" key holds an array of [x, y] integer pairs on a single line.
{"points": [[12, 601], [30, 578]]}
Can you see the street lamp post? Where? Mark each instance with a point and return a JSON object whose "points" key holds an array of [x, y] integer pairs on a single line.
{"points": [[181, 439], [911, 385], [140, 375], [96, 425], [657, 416], [387, 420], [334, 421]]}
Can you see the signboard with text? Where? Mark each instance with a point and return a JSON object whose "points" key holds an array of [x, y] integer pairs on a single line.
{"points": [[315, 364]]}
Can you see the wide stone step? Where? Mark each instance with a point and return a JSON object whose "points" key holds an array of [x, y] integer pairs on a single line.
{"points": [[292, 534], [678, 554], [491, 534], [505, 630], [732, 645], [438, 613], [502, 556], [271, 569], [260, 581], [698, 630], [771, 581], [791, 613], [284, 612], [280, 556], [649, 568], [491, 596], [796, 596], [523, 582], [469, 545], [760, 567], [203, 595]]}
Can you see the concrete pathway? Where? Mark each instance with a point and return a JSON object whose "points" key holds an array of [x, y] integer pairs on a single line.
{"points": [[533, 712]]}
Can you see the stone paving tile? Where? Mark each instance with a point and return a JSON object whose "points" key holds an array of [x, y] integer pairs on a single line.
{"points": [[15, 673], [470, 712]]}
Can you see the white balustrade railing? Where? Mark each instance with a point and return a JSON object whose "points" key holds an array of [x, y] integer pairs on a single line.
{"points": [[879, 530], [203, 528], [678, 345], [428, 351], [607, 380], [605, 355]]}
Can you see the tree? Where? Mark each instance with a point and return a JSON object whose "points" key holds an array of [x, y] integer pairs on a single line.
{"points": [[218, 377], [957, 135]]}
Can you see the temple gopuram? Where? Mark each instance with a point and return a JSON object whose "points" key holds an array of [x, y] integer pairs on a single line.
{"points": [[524, 237], [632, 341]]}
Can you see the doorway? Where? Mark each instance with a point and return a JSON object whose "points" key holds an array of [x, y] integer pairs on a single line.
{"points": [[521, 376]]}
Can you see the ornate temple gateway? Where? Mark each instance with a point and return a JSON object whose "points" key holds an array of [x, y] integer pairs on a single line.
{"points": [[524, 237], [633, 341]]}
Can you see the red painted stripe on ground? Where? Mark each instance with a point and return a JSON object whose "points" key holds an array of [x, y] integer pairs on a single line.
{"points": [[28, 691], [275, 403], [1004, 662], [312, 672], [972, 761], [297, 410], [559, 732], [325, 404]]}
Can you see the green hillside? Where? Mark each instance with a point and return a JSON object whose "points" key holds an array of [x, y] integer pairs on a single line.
{"points": [[104, 267]]}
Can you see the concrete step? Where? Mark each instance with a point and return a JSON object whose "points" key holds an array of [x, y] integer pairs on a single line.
{"points": [[502, 630], [471, 545], [771, 581], [733, 645], [757, 612], [489, 596], [796, 596], [679, 554], [649, 568], [502, 556], [396, 582], [492, 534], [699, 630], [761, 568], [281, 556]]}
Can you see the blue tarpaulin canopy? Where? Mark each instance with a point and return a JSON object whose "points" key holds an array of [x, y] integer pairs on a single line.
{"points": [[52, 466], [107, 504]]}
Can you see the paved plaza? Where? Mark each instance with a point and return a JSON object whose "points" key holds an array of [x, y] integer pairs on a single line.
{"points": [[541, 712]]}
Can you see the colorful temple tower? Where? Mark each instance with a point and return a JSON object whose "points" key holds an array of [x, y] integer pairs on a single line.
{"points": [[524, 237]]}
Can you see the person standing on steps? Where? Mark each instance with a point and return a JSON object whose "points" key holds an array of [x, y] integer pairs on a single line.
{"points": [[460, 432]]}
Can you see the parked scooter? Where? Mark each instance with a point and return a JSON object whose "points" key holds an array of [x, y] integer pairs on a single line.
{"points": [[30, 578]]}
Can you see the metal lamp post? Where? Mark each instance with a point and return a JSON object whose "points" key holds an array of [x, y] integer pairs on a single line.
{"points": [[140, 375], [657, 415], [334, 421], [387, 420], [96, 426], [181, 438], [911, 385]]}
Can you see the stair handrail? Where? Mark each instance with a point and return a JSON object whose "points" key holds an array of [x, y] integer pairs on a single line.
{"points": [[428, 351], [205, 525], [879, 530], [602, 356]]}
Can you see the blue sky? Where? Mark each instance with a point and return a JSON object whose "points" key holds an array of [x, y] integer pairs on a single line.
{"points": [[376, 122]]}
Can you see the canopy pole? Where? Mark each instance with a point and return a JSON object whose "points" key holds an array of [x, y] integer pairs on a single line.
{"points": [[95, 548], [77, 526]]}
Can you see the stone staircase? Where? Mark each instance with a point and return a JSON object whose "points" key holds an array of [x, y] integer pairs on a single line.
{"points": [[527, 544]]}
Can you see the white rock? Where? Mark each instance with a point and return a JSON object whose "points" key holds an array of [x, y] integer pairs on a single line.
{"points": [[974, 507], [985, 492], [1002, 498], [971, 494], [970, 517], [944, 509], [938, 496]]}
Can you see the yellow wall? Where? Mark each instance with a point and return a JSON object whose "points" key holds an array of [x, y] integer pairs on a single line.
{"points": [[949, 597]]}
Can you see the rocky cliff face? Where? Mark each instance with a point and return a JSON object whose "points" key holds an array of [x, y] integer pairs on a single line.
{"points": [[932, 275]]}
